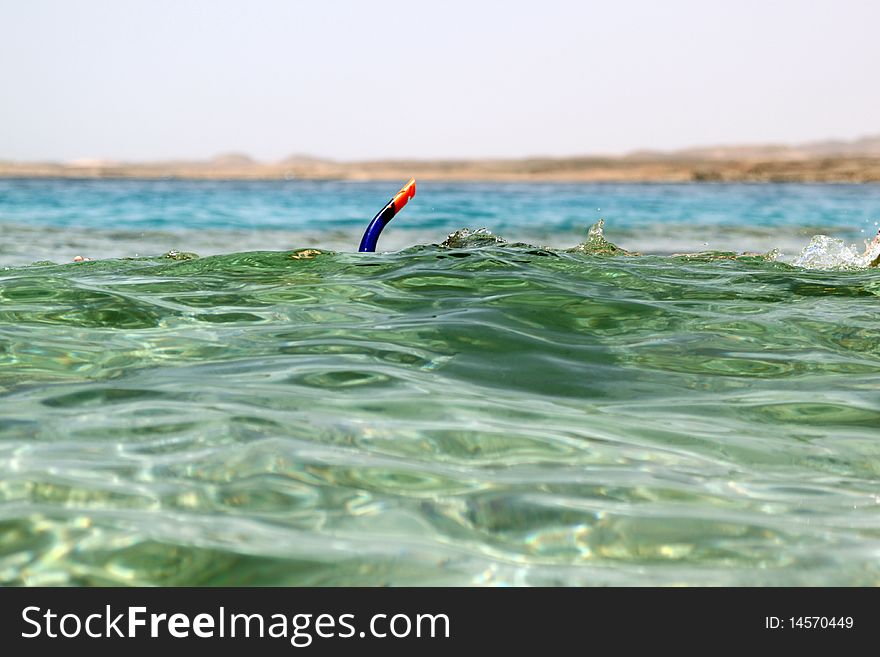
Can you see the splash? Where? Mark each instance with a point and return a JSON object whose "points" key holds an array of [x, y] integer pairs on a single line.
{"points": [[824, 252], [597, 244], [465, 238]]}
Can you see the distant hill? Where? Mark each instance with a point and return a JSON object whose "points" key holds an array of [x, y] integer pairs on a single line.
{"points": [[833, 148], [232, 160], [833, 160]]}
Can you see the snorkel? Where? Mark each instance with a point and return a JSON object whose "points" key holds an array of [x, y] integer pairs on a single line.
{"points": [[386, 214]]}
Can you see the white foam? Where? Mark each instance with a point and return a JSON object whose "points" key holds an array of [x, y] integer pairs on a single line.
{"points": [[825, 252]]}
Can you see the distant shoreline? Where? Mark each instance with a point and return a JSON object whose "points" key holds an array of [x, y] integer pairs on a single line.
{"points": [[624, 169]]}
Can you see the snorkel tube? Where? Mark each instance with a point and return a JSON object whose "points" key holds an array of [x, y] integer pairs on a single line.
{"points": [[386, 214]]}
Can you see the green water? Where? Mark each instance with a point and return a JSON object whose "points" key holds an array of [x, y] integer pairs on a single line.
{"points": [[474, 414]]}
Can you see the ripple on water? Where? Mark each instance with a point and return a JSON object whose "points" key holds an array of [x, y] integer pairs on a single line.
{"points": [[475, 413]]}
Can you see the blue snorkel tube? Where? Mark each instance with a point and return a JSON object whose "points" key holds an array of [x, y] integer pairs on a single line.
{"points": [[386, 214]]}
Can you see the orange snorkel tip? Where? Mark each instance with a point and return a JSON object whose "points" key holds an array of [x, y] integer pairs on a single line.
{"points": [[407, 192]]}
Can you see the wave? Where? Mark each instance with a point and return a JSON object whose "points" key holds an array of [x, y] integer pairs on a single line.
{"points": [[470, 412]]}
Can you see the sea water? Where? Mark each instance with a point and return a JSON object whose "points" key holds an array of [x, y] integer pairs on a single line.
{"points": [[523, 405]]}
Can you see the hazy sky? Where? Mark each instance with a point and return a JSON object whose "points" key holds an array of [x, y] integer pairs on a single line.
{"points": [[132, 79]]}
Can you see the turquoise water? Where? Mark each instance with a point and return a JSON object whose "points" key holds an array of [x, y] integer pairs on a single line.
{"points": [[122, 218], [533, 408]]}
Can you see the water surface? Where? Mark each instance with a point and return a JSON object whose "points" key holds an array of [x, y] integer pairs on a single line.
{"points": [[479, 412]]}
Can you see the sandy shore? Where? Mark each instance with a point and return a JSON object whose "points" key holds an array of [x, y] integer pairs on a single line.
{"points": [[855, 160], [831, 169]]}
